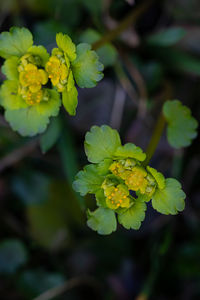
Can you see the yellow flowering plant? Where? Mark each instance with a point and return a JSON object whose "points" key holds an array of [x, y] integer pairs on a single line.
{"points": [[26, 94], [122, 183]]}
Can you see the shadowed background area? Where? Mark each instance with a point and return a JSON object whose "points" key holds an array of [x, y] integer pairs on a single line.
{"points": [[46, 249]]}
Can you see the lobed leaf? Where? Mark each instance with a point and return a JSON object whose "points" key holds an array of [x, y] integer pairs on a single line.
{"points": [[132, 217], [169, 200], [102, 220], [16, 42], [181, 129], [87, 69], [101, 143], [27, 121], [88, 180], [9, 68], [131, 151]]}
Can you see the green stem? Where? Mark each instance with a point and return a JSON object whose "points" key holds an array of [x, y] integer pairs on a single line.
{"points": [[157, 133], [132, 17]]}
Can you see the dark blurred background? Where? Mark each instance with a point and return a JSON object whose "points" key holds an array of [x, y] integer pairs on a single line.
{"points": [[44, 240]]}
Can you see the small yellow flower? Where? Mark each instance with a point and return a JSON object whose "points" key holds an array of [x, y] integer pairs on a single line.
{"points": [[34, 98], [135, 179], [32, 78], [117, 169], [58, 72], [116, 196]]}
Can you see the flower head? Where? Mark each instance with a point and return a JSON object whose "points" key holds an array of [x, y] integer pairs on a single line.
{"points": [[122, 184], [58, 72], [116, 195], [28, 68], [32, 78]]}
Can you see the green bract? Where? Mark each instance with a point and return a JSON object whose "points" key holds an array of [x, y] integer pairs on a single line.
{"points": [[181, 129], [115, 174], [27, 101]]}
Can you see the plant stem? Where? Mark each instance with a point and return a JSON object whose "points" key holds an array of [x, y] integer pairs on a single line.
{"points": [[132, 17], [157, 133]]}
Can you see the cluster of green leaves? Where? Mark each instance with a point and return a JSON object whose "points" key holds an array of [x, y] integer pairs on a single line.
{"points": [[103, 147], [80, 62]]}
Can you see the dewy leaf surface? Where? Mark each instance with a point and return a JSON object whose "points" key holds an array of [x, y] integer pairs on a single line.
{"points": [[181, 129], [102, 220], [88, 180], [16, 42], [87, 69], [132, 217], [169, 200], [101, 142]]}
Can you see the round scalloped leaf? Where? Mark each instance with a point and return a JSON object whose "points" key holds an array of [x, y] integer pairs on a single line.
{"points": [[88, 180], [16, 42], [65, 43], [132, 217], [27, 121], [9, 68], [169, 200], [101, 142], [41, 52], [181, 129], [160, 179], [70, 96], [102, 220], [9, 97], [130, 150], [87, 69], [33, 120]]}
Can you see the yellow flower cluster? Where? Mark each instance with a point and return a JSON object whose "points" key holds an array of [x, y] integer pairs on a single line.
{"points": [[57, 71], [116, 196], [135, 178], [31, 79]]}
